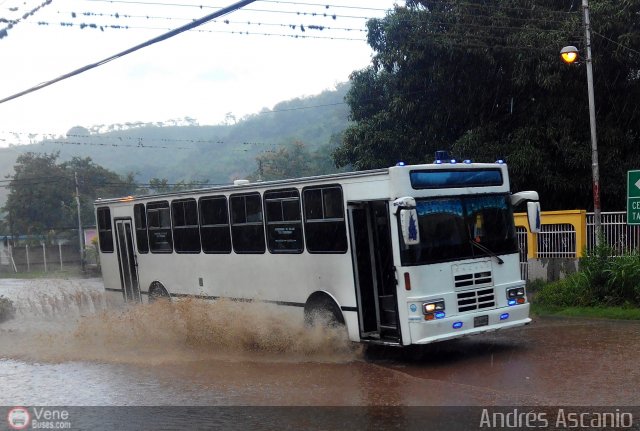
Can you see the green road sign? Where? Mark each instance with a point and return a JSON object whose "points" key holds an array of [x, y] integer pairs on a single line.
{"points": [[633, 197]]}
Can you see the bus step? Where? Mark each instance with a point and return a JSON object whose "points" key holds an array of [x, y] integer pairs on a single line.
{"points": [[388, 317], [392, 327]]}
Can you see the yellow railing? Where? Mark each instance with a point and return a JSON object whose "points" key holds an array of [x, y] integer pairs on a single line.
{"points": [[552, 219]]}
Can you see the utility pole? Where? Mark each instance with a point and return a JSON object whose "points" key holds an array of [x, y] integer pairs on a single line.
{"points": [[80, 233], [595, 169]]}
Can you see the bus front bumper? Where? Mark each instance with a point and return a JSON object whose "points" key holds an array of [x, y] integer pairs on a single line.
{"points": [[423, 332]]}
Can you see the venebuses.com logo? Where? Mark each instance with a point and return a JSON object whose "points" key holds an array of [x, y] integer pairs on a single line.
{"points": [[18, 418]]}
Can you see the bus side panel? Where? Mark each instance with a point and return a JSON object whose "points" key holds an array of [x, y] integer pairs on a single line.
{"points": [[286, 278]]}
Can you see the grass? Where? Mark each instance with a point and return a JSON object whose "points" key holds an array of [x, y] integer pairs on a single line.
{"points": [[599, 312]]}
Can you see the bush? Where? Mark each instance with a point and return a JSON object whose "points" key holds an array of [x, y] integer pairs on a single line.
{"points": [[7, 310], [603, 279], [574, 290]]}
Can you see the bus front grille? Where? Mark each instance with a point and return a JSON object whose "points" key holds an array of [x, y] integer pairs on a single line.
{"points": [[476, 300], [474, 279]]}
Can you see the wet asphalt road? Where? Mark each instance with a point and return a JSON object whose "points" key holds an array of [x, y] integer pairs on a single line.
{"points": [[65, 347]]}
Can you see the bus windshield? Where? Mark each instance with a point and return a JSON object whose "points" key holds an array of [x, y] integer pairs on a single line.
{"points": [[449, 226]]}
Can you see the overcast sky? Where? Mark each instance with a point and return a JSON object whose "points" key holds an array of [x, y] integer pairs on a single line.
{"points": [[203, 74]]}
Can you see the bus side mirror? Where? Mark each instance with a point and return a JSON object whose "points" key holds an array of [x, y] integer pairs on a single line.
{"points": [[409, 224], [533, 216], [406, 210]]}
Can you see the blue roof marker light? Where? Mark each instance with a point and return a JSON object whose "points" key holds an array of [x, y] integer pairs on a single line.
{"points": [[438, 162], [467, 162], [453, 161], [400, 164], [500, 162]]}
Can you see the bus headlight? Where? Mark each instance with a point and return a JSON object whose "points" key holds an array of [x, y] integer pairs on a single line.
{"points": [[516, 296], [433, 310], [431, 307]]}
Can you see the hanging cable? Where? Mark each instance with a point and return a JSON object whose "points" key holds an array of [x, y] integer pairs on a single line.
{"points": [[162, 37]]}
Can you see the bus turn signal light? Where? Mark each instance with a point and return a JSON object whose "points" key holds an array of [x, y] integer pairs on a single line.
{"points": [[407, 281]]}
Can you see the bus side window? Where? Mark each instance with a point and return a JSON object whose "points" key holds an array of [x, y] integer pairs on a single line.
{"points": [[247, 229], [140, 220], [324, 224], [159, 222], [105, 233], [186, 232], [284, 221], [214, 225]]}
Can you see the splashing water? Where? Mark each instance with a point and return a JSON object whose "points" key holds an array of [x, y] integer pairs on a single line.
{"points": [[61, 321]]}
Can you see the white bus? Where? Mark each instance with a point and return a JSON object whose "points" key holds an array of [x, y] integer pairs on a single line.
{"points": [[403, 255]]}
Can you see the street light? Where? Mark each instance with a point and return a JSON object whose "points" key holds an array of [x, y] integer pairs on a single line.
{"points": [[569, 55]]}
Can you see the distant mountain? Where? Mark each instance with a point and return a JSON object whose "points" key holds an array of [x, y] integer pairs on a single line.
{"points": [[191, 152]]}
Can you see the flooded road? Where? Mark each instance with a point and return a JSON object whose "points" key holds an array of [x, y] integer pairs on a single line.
{"points": [[69, 346]]}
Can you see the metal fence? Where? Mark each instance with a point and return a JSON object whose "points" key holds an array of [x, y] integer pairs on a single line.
{"points": [[521, 234], [557, 241], [566, 235], [622, 238]]}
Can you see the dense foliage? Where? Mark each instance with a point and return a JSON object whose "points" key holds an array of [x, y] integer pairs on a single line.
{"points": [[42, 192], [483, 79], [293, 161]]}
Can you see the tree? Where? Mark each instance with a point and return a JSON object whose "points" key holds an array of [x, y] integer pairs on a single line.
{"points": [[483, 79], [292, 161], [42, 192]]}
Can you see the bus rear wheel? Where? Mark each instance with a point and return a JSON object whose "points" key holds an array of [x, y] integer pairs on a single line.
{"points": [[322, 310], [157, 292]]}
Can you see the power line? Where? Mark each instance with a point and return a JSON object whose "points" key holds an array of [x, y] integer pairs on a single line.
{"points": [[313, 14], [249, 22], [324, 5], [165, 36], [615, 42], [501, 7], [238, 32], [201, 6]]}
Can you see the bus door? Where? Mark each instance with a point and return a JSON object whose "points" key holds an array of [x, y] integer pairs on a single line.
{"points": [[374, 271], [127, 261]]}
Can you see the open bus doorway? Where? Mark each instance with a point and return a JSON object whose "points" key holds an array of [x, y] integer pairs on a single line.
{"points": [[127, 261], [374, 275]]}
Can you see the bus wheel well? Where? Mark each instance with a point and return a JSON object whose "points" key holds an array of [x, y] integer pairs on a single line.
{"points": [[157, 291], [322, 306]]}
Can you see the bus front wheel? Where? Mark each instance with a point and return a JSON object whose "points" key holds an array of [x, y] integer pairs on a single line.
{"points": [[322, 309]]}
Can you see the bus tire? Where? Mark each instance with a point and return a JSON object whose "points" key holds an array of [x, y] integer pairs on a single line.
{"points": [[320, 307], [157, 292]]}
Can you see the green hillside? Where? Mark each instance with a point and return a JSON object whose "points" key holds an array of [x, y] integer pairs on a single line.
{"points": [[192, 152]]}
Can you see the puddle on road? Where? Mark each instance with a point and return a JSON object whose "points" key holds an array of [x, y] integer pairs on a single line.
{"points": [[58, 322]]}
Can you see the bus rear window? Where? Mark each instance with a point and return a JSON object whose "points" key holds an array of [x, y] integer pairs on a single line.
{"points": [[105, 234], [140, 219], [449, 178]]}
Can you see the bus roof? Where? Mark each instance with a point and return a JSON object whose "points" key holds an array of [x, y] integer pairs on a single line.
{"points": [[242, 185]]}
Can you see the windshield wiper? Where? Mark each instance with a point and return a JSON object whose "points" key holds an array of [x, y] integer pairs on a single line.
{"points": [[487, 251]]}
